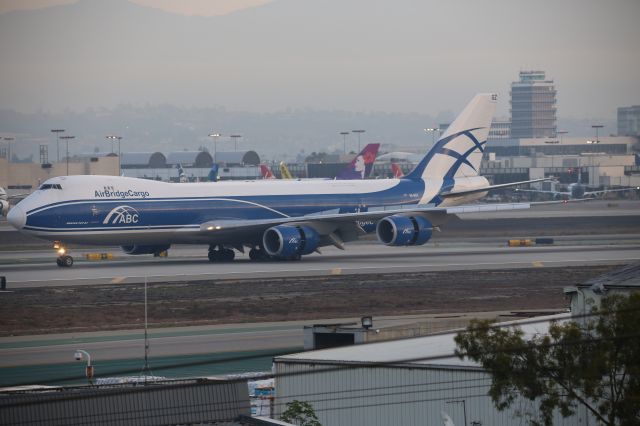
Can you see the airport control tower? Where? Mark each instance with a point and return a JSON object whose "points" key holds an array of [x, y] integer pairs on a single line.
{"points": [[533, 106]]}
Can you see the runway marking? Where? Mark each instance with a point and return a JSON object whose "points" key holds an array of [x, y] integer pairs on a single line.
{"points": [[336, 271], [117, 280], [537, 264]]}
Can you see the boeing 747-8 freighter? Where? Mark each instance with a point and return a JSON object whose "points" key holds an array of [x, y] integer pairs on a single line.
{"points": [[286, 219]]}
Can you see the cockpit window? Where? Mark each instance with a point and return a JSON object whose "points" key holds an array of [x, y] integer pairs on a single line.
{"points": [[50, 186]]}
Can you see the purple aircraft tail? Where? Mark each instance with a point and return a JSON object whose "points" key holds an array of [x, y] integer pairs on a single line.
{"points": [[360, 167]]}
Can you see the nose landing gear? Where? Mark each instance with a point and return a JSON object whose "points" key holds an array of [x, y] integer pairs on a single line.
{"points": [[63, 260]]}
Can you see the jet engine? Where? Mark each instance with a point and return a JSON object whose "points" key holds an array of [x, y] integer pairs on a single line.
{"points": [[290, 242], [401, 230], [4, 207], [142, 249]]}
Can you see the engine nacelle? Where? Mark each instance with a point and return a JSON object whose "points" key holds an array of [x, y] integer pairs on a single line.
{"points": [[143, 249], [287, 241], [4, 207], [400, 230]]}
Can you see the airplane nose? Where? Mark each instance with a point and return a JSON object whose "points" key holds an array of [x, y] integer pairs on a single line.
{"points": [[16, 217]]}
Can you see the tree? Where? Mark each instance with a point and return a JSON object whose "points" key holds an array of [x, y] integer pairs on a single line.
{"points": [[595, 363], [300, 413]]}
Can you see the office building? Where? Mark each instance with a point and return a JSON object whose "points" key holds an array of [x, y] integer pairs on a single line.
{"points": [[629, 121]]}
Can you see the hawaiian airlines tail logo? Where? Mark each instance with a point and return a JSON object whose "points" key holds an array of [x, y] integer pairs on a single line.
{"points": [[122, 215]]}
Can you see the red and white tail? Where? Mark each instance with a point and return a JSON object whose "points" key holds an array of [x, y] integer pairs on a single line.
{"points": [[266, 172], [396, 170]]}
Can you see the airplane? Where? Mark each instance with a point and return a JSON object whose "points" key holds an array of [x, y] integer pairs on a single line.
{"points": [[4, 200], [577, 191], [281, 220], [396, 170], [182, 176], [284, 171], [266, 172], [213, 173], [359, 168], [362, 164]]}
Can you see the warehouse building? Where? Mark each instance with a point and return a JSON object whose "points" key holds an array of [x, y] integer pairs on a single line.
{"points": [[417, 381], [408, 382]]}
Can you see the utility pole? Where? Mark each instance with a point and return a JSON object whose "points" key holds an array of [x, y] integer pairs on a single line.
{"points": [[215, 137], [9, 140], [66, 139], [433, 131], [344, 141], [57, 132], [118, 138], [359, 132], [145, 370], [235, 141]]}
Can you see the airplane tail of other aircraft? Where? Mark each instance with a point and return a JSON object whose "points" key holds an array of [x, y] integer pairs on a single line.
{"points": [[284, 171], [362, 164], [182, 176], [459, 150], [266, 172], [396, 170], [213, 173]]}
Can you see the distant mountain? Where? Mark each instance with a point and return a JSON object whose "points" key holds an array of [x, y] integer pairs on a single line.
{"points": [[275, 136], [362, 55]]}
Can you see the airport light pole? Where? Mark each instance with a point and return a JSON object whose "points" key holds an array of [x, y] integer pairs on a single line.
{"points": [[57, 132], [597, 126], [78, 355], [215, 137], [359, 132], [235, 141], [344, 141], [9, 140], [433, 131], [118, 138], [66, 139]]}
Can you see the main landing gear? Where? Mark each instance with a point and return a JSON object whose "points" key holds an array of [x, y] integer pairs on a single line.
{"points": [[221, 254], [63, 260]]}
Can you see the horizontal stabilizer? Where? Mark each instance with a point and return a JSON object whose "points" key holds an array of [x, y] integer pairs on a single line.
{"points": [[488, 188]]}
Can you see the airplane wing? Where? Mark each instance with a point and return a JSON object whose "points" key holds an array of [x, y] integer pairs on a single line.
{"points": [[604, 191], [338, 228], [539, 191], [11, 197], [490, 187]]}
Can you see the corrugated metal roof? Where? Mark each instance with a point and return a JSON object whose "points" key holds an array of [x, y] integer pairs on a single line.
{"points": [[238, 157], [426, 351], [190, 158], [141, 158], [629, 276]]}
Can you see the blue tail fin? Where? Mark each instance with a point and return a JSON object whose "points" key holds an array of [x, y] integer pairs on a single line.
{"points": [[213, 173]]}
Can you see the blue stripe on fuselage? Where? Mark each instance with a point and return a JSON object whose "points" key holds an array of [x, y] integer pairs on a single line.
{"points": [[178, 212]]}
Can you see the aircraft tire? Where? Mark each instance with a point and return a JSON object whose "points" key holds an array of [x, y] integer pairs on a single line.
{"points": [[213, 256], [66, 261], [59, 262], [256, 255], [228, 255], [253, 254]]}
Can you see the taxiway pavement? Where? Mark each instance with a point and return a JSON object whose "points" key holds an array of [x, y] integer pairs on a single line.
{"points": [[185, 264]]}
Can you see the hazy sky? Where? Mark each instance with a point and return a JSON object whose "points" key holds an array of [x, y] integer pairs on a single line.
{"points": [[356, 55], [184, 7]]}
